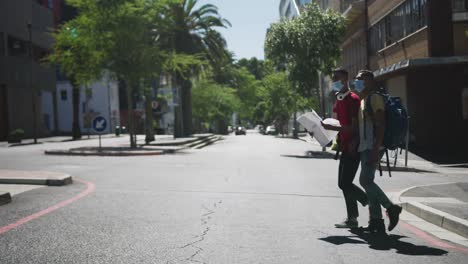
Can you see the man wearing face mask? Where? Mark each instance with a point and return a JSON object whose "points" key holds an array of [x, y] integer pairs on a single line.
{"points": [[371, 133], [346, 109]]}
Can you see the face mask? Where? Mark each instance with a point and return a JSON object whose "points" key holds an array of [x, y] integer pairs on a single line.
{"points": [[358, 85], [337, 86]]}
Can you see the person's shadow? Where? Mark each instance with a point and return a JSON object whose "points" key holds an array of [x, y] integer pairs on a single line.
{"points": [[384, 242]]}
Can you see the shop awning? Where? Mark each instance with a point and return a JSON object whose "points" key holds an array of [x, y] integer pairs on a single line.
{"points": [[423, 62]]}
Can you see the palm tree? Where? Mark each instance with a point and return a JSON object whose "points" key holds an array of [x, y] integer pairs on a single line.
{"points": [[194, 33]]}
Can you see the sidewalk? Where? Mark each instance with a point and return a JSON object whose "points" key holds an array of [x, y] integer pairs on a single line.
{"points": [[57, 139], [13, 182], [444, 207]]}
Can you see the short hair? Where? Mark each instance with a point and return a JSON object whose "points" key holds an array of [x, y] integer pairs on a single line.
{"points": [[366, 74], [341, 71]]}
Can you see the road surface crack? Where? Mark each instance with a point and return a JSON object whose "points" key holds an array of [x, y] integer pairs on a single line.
{"points": [[205, 218]]}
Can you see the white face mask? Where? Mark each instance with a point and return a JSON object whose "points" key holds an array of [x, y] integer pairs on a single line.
{"points": [[337, 86]]}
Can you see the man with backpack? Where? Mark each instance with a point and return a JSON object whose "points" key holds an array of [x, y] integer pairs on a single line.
{"points": [[346, 109], [372, 125]]}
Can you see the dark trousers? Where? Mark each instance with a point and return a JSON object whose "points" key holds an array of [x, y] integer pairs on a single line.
{"points": [[346, 173]]}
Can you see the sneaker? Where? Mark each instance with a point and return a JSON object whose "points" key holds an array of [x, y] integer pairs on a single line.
{"points": [[347, 223], [393, 213], [376, 226]]}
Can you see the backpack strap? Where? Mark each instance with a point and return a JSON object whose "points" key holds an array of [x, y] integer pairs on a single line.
{"points": [[371, 112], [388, 164]]}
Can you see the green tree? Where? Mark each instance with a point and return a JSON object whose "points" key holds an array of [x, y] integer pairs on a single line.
{"points": [[279, 101], [193, 32], [127, 35], [247, 88], [306, 46], [214, 104], [74, 52], [259, 68]]}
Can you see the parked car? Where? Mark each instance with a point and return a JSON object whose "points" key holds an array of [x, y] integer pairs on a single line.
{"points": [[271, 130], [240, 131]]}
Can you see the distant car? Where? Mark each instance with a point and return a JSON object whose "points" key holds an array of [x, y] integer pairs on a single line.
{"points": [[271, 130], [240, 131]]}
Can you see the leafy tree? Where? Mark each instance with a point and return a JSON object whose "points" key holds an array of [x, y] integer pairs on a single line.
{"points": [[214, 104], [193, 32], [129, 37], [247, 88], [74, 52], [306, 46], [259, 68], [279, 100]]}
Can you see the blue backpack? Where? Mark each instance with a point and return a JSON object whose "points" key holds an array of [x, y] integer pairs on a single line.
{"points": [[396, 123]]}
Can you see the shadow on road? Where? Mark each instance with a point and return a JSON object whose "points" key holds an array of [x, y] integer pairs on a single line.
{"points": [[384, 242], [312, 155]]}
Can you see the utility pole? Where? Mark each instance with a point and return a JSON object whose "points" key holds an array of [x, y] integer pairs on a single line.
{"points": [[31, 85], [367, 33]]}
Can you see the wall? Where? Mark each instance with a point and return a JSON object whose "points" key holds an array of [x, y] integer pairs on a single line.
{"points": [[48, 111], [397, 87], [412, 47], [460, 35], [17, 73], [434, 95], [104, 101]]}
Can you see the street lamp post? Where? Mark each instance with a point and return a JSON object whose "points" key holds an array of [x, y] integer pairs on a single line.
{"points": [[31, 86]]}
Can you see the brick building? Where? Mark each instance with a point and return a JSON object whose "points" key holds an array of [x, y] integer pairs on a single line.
{"points": [[418, 49]]}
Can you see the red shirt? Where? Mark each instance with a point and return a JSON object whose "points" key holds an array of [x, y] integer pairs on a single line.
{"points": [[346, 110]]}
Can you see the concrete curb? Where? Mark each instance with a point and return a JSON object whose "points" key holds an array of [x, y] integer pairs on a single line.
{"points": [[103, 153], [439, 218], [181, 142], [209, 142], [65, 180], [5, 198]]}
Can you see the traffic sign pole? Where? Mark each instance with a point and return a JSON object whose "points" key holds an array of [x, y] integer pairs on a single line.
{"points": [[99, 125]]}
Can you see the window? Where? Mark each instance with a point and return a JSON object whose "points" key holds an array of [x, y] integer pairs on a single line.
{"points": [[404, 20], [63, 95], [17, 47], [460, 5]]}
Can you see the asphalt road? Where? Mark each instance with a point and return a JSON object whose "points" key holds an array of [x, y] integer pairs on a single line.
{"points": [[247, 199]]}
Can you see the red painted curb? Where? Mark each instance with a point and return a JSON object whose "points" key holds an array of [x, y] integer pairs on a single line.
{"points": [[90, 188], [430, 239]]}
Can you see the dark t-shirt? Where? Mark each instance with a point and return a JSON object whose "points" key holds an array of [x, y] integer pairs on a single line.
{"points": [[346, 110]]}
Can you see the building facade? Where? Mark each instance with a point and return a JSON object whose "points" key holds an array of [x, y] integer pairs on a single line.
{"points": [[24, 82], [291, 8], [418, 49], [100, 98]]}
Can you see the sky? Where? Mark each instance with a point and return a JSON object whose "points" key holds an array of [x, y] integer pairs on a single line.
{"points": [[250, 20]]}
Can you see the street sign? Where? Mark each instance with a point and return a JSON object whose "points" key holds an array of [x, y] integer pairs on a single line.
{"points": [[99, 124]]}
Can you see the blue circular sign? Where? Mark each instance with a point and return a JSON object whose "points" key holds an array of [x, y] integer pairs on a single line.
{"points": [[99, 124]]}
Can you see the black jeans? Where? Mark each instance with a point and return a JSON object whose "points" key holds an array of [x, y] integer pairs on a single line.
{"points": [[346, 173]]}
